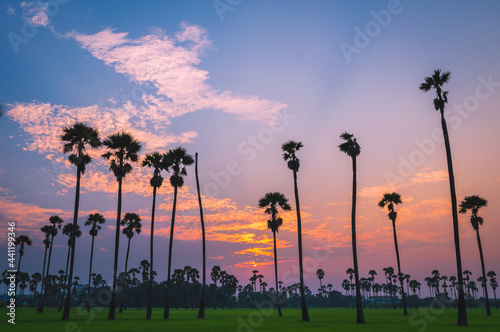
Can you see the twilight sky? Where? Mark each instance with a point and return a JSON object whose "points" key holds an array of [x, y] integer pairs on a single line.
{"points": [[233, 80]]}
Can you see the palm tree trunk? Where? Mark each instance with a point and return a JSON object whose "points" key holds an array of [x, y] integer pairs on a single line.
{"points": [[124, 285], [462, 310], [201, 312], [112, 304], [360, 318], [48, 269], [405, 312], [90, 273], [276, 276], [488, 309], [43, 277], [305, 313], [73, 244], [166, 312], [65, 276], [149, 309]]}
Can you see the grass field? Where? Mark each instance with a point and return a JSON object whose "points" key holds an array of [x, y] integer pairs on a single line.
{"points": [[247, 320]]}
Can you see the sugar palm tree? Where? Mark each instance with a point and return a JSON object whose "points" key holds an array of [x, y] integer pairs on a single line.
{"points": [[352, 149], [436, 82], [72, 232], [94, 221], [132, 223], [35, 280], [474, 203], [46, 241], [494, 285], [390, 200], [289, 150], [76, 138], [122, 149], [21, 241], [178, 159], [320, 273], [271, 202], [157, 161], [201, 311], [52, 229]]}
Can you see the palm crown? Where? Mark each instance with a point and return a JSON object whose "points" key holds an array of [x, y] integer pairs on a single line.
{"points": [[72, 231], [178, 159], [436, 81], [95, 221], [22, 240], [289, 148], [390, 200], [132, 222], [56, 221], [473, 203], [270, 202], [76, 137], [122, 147], [350, 146], [158, 162]]}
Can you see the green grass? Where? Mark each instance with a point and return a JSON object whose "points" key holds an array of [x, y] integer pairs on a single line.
{"points": [[424, 319]]}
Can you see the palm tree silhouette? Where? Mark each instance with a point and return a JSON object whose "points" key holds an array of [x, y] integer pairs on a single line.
{"points": [[75, 139], [55, 225], [320, 274], [201, 311], [35, 280], [494, 284], [122, 148], [270, 202], [21, 241], [72, 232], [372, 274], [46, 241], [132, 223], [474, 203], [390, 200], [94, 221], [290, 148], [352, 149], [178, 159], [436, 82], [157, 161]]}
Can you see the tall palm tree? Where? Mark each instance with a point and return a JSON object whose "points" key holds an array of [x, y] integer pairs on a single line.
{"points": [[320, 273], [390, 200], [72, 232], [132, 223], [94, 221], [122, 148], [474, 203], [55, 225], [158, 162], [436, 82], [178, 158], [201, 311], [76, 138], [270, 202], [289, 149], [352, 149], [21, 241]]}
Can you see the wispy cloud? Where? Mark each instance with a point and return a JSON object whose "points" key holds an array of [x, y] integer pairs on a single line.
{"points": [[36, 13], [170, 64]]}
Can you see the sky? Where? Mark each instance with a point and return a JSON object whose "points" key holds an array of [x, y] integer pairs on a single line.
{"points": [[232, 81]]}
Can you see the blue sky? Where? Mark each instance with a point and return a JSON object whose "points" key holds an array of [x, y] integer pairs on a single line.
{"points": [[175, 73]]}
